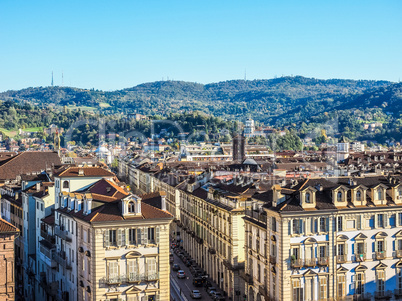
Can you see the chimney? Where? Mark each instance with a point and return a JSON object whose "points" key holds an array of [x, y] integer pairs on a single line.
{"points": [[38, 186], [81, 172], [163, 202]]}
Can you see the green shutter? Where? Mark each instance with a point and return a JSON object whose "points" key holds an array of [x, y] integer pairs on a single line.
{"points": [[106, 239], [157, 234]]}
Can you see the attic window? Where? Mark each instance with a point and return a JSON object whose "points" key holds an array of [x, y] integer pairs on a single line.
{"points": [[65, 184], [380, 193], [80, 172], [131, 207], [358, 196], [108, 189], [339, 199], [308, 197]]}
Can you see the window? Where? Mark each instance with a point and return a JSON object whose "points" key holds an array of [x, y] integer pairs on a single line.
{"points": [[339, 196], [399, 279], [65, 184], [113, 270], [132, 235], [89, 235], [323, 251], [297, 226], [380, 245], [323, 227], [297, 290], [308, 197], [359, 283], [380, 281], [341, 249], [273, 220], [340, 223], [133, 269], [151, 267], [358, 196], [380, 220], [131, 207], [110, 238], [380, 193], [323, 288], [341, 285], [151, 235]]}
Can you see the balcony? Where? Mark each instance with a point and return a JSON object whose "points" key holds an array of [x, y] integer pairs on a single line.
{"points": [[63, 234], [360, 257], [152, 277], [47, 237], [114, 280], [272, 259], [50, 288], [322, 261], [310, 262], [341, 259], [398, 253], [60, 258], [246, 277], [362, 297], [383, 295], [380, 255], [296, 263]]}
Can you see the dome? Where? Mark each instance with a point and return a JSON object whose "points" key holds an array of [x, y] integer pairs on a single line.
{"points": [[249, 161]]}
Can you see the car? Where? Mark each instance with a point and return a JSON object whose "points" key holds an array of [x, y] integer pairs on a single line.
{"points": [[189, 262], [195, 294], [217, 295], [176, 267], [181, 274], [198, 281], [210, 288], [211, 292]]}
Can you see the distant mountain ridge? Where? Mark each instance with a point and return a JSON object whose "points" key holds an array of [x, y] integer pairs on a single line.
{"points": [[277, 101]]}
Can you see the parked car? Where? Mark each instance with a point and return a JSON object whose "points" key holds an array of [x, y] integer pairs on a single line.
{"points": [[176, 267], [217, 295], [211, 292], [181, 274], [210, 288], [195, 294]]}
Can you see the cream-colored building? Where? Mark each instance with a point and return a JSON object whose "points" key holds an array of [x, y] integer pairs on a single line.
{"points": [[327, 239], [115, 243]]}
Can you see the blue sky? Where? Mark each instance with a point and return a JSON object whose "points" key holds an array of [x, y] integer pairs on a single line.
{"points": [[112, 45]]}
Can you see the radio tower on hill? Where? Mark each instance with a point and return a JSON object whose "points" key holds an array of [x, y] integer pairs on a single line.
{"points": [[52, 78]]}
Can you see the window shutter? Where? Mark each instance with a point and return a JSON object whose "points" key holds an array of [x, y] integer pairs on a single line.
{"points": [[336, 224], [106, 239], [157, 235], [375, 221], [123, 237], [139, 236], [359, 222], [384, 243], [385, 216], [127, 236], [291, 227], [157, 298], [119, 238], [327, 224], [145, 236], [375, 246], [365, 248], [352, 286], [300, 226]]}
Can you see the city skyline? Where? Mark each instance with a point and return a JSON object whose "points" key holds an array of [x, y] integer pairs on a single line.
{"points": [[120, 45]]}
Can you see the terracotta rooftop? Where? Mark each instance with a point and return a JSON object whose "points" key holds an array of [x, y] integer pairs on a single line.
{"points": [[6, 227], [86, 172], [27, 162]]}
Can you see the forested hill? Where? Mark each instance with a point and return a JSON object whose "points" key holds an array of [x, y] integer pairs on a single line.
{"points": [[275, 101]]}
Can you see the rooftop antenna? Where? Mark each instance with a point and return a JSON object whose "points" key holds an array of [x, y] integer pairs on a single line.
{"points": [[62, 78], [52, 78], [245, 74]]}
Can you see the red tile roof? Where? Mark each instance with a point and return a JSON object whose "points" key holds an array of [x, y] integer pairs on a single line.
{"points": [[87, 172], [6, 227], [27, 162]]}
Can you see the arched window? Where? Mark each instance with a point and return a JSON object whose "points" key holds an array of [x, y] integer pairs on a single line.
{"points": [[380, 193], [65, 184], [340, 196], [131, 207], [358, 196], [308, 197]]}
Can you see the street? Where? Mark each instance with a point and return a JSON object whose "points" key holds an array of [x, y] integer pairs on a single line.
{"points": [[184, 286]]}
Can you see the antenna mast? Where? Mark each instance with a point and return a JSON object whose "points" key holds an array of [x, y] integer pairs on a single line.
{"points": [[52, 78]]}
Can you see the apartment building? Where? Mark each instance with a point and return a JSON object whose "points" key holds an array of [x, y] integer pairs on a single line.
{"points": [[327, 239], [8, 234]]}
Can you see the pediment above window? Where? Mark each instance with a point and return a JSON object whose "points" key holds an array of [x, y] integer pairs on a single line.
{"points": [[133, 254]]}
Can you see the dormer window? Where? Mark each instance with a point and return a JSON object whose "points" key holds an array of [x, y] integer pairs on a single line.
{"points": [[131, 207], [66, 184], [308, 197], [358, 196], [339, 196], [380, 193]]}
